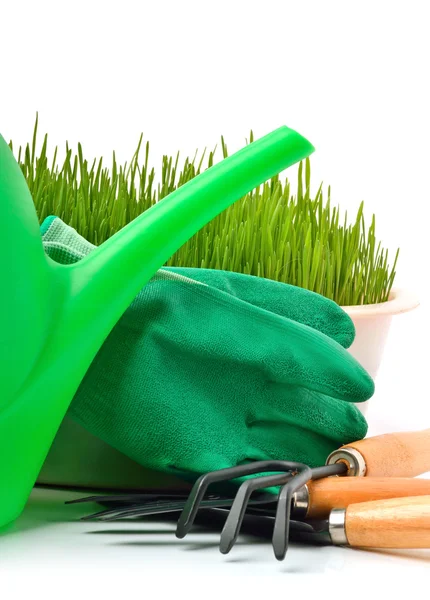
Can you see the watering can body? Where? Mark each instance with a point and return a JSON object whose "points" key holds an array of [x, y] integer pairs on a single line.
{"points": [[54, 318]]}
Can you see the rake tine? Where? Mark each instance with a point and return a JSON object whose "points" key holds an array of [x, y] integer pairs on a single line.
{"points": [[283, 511], [118, 512], [199, 489], [164, 506], [132, 498], [137, 508], [123, 512], [140, 510], [95, 516], [118, 498], [235, 517]]}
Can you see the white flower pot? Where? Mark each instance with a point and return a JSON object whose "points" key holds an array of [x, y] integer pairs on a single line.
{"points": [[372, 323], [78, 459]]}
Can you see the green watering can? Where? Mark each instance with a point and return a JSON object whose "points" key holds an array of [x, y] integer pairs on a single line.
{"points": [[54, 318]]}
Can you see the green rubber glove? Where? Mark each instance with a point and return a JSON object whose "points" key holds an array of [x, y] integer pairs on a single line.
{"points": [[207, 369]]}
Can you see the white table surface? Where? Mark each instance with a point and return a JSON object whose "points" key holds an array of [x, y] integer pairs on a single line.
{"points": [[48, 544]]}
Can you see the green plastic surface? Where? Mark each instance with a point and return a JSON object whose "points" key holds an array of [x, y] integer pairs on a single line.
{"points": [[54, 318]]}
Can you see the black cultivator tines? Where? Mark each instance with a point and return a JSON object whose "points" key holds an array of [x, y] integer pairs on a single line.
{"points": [[127, 506], [292, 477], [267, 514]]}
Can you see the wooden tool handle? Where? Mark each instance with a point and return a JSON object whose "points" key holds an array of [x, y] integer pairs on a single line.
{"points": [[395, 523], [340, 492], [395, 454]]}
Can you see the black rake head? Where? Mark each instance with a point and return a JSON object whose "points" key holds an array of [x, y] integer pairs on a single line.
{"points": [[291, 476], [266, 514]]}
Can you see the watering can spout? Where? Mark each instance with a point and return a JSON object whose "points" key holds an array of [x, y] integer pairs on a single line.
{"points": [[142, 247], [54, 318]]}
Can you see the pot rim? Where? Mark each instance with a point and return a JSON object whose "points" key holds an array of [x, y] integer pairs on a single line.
{"points": [[400, 301]]}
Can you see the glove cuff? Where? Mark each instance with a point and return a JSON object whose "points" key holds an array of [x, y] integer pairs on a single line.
{"points": [[62, 243]]}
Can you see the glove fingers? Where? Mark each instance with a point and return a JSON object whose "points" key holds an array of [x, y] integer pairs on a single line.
{"points": [[277, 440], [316, 362], [307, 410], [285, 300], [304, 426], [284, 351]]}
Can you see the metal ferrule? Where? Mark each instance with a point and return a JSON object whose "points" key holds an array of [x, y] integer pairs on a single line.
{"points": [[336, 527], [301, 503], [353, 459]]}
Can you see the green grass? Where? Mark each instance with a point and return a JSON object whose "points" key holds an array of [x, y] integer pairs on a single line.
{"points": [[296, 238]]}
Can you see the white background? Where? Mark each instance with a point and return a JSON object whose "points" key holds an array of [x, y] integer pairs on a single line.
{"points": [[353, 77]]}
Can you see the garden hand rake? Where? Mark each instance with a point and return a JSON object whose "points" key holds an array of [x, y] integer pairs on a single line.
{"points": [[389, 455]]}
